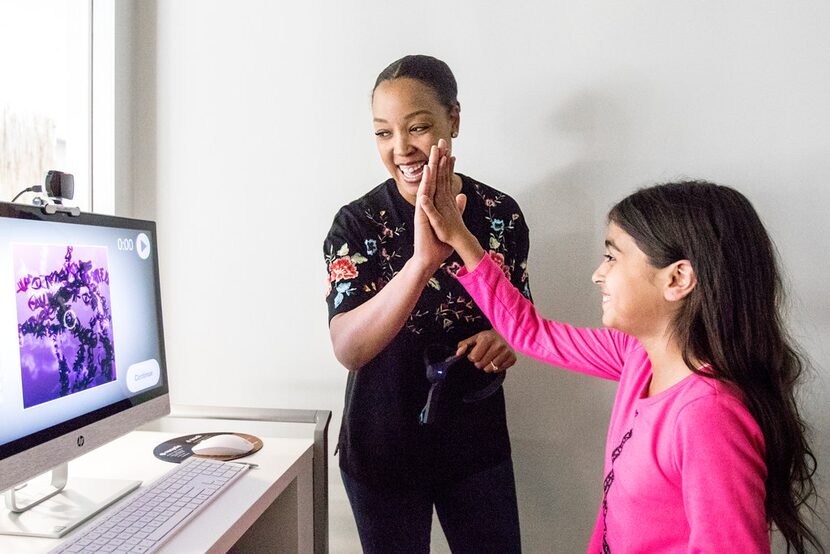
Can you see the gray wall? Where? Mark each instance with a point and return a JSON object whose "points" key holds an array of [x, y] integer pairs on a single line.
{"points": [[249, 125]]}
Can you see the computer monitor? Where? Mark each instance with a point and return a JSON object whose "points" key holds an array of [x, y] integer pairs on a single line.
{"points": [[81, 351]]}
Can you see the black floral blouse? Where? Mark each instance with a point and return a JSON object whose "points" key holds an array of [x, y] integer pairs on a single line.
{"points": [[381, 441]]}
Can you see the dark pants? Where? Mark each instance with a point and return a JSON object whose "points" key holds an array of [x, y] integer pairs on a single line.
{"points": [[478, 515]]}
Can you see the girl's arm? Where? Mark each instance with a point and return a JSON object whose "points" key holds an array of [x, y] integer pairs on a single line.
{"points": [[719, 452], [597, 352]]}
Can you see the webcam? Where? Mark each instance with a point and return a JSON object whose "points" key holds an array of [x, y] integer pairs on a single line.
{"points": [[58, 186]]}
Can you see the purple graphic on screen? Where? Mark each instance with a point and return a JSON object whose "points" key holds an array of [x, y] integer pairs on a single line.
{"points": [[64, 319]]}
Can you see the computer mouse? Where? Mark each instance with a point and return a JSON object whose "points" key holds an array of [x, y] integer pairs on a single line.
{"points": [[223, 445]]}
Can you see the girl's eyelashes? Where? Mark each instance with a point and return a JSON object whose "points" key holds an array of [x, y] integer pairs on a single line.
{"points": [[608, 257]]}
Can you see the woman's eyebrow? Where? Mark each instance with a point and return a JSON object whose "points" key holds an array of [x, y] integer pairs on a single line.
{"points": [[409, 116]]}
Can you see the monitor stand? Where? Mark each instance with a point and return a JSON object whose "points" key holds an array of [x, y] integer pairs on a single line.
{"points": [[56, 509]]}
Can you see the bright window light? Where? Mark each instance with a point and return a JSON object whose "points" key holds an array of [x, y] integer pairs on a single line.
{"points": [[45, 101]]}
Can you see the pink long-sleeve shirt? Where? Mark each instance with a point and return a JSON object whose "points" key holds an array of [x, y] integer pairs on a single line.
{"points": [[684, 469]]}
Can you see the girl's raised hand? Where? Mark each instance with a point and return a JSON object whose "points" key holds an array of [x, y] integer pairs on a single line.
{"points": [[429, 250], [444, 208]]}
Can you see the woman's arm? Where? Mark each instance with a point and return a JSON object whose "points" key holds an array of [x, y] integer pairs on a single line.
{"points": [[361, 333]]}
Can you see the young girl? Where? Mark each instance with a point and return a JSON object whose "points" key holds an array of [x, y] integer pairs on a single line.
{"points": [[705, 450]]}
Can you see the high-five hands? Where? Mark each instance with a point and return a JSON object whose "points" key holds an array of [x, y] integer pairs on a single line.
{"points": [[429, 249], [443, 208], [440, 210]]}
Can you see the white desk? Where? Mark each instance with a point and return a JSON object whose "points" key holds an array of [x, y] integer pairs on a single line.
{"points": [[270, 509]]}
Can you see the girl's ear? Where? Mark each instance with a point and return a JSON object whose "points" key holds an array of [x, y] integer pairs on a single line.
{"points": [[681, 280]]}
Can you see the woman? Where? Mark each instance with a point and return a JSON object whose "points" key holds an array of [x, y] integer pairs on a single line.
{"points": [[394, 301]]}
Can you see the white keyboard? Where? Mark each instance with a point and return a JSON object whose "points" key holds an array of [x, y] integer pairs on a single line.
{"points": [[150, 516]]}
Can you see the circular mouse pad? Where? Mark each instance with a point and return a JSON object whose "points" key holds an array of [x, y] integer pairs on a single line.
{"points": [[181, 448]]}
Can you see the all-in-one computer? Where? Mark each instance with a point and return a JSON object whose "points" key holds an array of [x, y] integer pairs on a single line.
{"points": [[81, 355]]}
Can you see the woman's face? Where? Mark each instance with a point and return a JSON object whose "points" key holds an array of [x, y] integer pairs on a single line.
{"points": [[408, 120]]}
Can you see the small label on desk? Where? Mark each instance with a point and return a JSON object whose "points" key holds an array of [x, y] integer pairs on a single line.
{"points": [[181, 448]]}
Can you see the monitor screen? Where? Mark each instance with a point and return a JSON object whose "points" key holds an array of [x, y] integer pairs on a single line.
{"points": [[81, 341]]}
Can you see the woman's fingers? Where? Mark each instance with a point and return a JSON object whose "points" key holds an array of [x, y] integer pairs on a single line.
{"points": [[436, 219], [461, 202], [429, 210], [503, 360], [497, 360], [488, 351], [480, 354]]}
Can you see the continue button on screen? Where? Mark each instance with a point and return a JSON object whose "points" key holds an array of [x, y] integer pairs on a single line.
{"points": [[143, 375]]}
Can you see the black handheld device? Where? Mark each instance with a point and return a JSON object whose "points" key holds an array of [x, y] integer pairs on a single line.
{"points": [[438, 359]]}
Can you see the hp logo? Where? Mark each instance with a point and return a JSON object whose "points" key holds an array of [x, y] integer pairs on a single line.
{"points": [[80, 440]]}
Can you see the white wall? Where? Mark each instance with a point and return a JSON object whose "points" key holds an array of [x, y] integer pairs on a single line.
{"points": [[250, 126]]}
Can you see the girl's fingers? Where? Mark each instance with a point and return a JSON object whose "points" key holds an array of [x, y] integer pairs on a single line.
{"points": [[441, 181], [447, 176], [432, 165], [443, 190]]}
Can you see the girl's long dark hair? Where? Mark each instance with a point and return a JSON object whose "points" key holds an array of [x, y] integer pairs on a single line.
{"points": [[732, 320]]}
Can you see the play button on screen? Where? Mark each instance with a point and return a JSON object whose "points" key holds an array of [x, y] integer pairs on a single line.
{"points": [[142, 246]]}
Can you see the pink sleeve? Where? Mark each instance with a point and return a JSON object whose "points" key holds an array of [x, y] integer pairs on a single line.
{"points": [[720, 455], [598, 352]]}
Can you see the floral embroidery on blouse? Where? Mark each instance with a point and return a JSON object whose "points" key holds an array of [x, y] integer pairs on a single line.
{"points": [[384, 240], [342, 267], [440, 307]]}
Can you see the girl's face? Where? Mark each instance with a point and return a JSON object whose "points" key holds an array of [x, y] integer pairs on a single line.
{"points": [[408, 120], [632, 289]]}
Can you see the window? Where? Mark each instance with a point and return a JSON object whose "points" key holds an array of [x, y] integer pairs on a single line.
{"points": [[45, 95]]}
